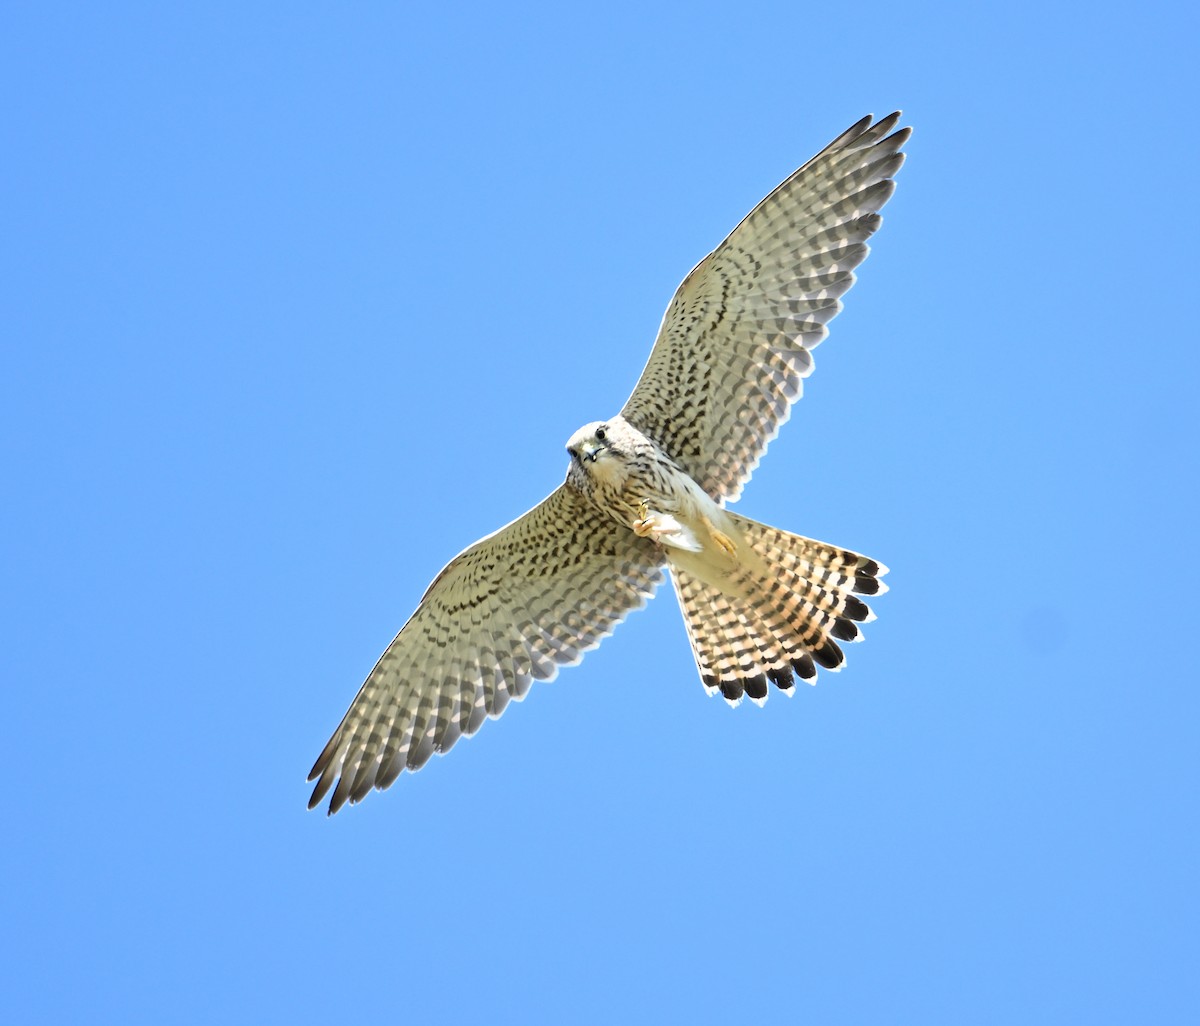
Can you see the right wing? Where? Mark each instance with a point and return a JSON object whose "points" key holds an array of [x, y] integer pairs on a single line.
{"points": [[734, 344]]}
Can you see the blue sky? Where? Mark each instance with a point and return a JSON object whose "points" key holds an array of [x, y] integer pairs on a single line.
{"points": [[255, 259]]}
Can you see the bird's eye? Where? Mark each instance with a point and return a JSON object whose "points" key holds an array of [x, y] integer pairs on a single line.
{"points": [[600, 433]]}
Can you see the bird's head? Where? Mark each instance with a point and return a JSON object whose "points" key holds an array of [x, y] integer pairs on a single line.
{"points": [[590, 443], [598, 450]]}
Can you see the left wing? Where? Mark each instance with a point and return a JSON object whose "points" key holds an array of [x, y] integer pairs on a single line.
{"points": [[509, 610]]}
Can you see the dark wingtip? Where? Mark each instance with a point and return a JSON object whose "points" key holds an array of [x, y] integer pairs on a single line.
{"points": [[321, 771], [322, 788], [340, 793]]}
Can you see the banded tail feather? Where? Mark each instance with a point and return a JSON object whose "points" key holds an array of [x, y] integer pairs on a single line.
{"points": [[776, 617]]}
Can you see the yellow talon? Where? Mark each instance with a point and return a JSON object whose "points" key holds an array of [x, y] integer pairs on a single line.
{"points": [[723, 540], [644, 526]]}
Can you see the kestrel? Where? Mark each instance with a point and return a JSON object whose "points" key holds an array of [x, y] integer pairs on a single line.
{"points": [[648, 489]]}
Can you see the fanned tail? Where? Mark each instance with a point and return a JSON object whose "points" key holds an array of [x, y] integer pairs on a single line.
{"points": [[777, 616]]}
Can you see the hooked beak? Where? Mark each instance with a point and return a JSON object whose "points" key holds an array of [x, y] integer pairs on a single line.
{"points": [[586, 453]]}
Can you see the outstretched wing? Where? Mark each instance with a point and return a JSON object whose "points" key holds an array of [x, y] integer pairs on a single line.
{"points": [[735, 342], [507, 611]]}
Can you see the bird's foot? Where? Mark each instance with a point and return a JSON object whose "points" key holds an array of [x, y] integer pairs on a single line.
{"points": [[653, 525], [721, 538]]}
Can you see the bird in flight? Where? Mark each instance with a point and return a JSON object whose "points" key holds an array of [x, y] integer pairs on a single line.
{"points": [[647, 491]]}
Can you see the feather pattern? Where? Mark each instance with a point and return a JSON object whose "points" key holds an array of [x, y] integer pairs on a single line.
{"points": [[735, 343], [509, 610], [778, 615]]}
